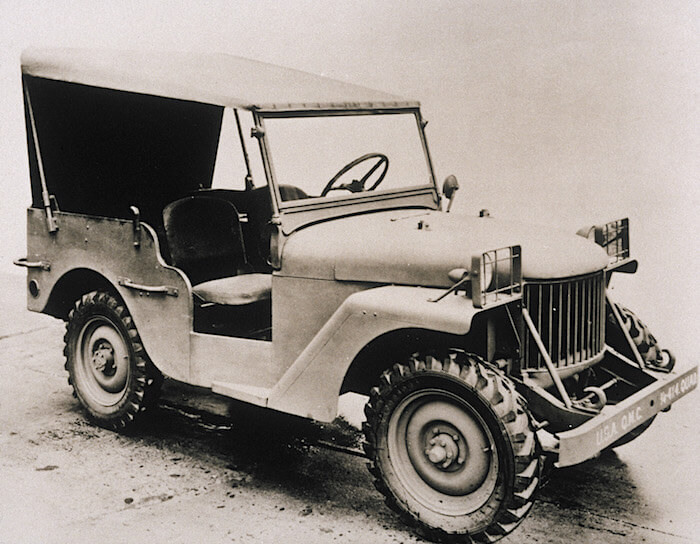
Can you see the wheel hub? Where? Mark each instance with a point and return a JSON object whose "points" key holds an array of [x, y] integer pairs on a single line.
{"points": [[103, 361], [447, 446], [103, 358], [443, 450]]}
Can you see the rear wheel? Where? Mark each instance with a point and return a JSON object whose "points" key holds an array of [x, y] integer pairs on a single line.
{"points": [[452, 448], [106, 363]]}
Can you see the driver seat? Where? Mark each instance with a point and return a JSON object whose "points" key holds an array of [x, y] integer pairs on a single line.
{"points": [[206, 242]]}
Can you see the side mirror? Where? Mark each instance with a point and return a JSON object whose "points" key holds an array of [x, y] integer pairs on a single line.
{"points": [[449, 188]]}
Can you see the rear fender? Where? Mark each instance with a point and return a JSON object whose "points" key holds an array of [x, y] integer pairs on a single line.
{"points": [[102, 253]]}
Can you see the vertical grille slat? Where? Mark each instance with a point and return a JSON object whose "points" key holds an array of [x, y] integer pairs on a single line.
{"points": [[539, 323], [589, 320], [526, 342], [569, 347], [577, 345], [582, 322], [596, 314], [570, 318], [550, 318], [560, 311], [602, 316], [585, 311], [594, 317]]}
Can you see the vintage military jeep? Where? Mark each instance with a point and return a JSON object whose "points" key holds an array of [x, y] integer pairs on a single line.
{"points": [[279, 238]]}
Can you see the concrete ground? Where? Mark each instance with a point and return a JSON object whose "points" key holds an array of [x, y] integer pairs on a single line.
{"points": [[187, 475]]}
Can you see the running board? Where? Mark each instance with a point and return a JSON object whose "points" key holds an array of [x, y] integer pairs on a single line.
{"points": [[242, 392]]}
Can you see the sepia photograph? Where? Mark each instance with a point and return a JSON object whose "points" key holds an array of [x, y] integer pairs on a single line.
{"points": [[358, 272]]}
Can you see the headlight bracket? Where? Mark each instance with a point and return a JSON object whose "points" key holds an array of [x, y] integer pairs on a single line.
{"points": [[496, 276]]}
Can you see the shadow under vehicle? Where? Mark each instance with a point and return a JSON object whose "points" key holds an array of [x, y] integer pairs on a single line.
{"points": [[279, 238]]}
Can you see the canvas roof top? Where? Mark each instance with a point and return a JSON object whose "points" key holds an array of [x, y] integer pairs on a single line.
{"points": [[217, 78]]}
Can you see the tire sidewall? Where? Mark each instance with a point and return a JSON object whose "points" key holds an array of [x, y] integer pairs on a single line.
{"points": [[504, 450], [98, 306], [639, 332]]}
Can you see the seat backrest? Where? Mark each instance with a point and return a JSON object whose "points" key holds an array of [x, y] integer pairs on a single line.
{"points": [[205, 239], [257, 206]]}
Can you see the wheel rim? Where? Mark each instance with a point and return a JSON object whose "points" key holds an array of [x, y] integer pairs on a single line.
{"points": [[442, 452], [103, 361]]}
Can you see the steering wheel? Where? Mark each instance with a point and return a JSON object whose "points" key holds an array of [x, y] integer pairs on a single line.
{"points": [[357, 186]]}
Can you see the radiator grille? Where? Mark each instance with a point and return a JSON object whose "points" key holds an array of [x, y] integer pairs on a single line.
{"points": [[570, 317]]}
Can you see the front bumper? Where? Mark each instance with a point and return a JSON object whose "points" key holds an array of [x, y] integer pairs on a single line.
{"points": [[587, 440]]}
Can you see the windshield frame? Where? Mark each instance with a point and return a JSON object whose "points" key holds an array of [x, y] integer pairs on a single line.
{"points": [[282, 207]]}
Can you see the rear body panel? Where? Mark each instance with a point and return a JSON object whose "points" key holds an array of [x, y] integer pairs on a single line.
{"points": [[106, 246]]}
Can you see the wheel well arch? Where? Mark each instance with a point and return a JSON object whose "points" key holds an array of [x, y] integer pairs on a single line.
{"points": [[398, 345], [392, 347], [71, 286]]}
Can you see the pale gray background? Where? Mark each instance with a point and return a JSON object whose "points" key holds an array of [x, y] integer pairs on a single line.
{"points": [[562, 113]]}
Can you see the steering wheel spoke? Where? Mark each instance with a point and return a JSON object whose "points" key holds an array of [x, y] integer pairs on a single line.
{"points": [[358, 186]]}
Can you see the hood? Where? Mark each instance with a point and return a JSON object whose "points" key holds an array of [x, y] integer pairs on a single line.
{"points": [[412, 247]]}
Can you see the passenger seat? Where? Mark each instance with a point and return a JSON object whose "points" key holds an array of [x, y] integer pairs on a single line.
{"points": [[206, 242]]}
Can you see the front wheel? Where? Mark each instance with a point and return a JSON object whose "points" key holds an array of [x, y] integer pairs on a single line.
{"points": [[452, 448], [653, 356], [106, 363]]}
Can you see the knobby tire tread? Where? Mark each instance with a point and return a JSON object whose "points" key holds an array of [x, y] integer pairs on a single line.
{"points": [[147, 379], [508, 406], [648, 348]]}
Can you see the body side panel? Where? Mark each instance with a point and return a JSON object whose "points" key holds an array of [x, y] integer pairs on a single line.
{"points": [[300, 308], [310, 387], [243, 361], [106, 246]]}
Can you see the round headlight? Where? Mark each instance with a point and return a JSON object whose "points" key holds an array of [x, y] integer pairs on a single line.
{"points": [[487, 273]]}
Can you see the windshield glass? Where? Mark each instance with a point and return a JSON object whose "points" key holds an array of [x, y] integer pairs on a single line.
{"points": [[346, 156]]}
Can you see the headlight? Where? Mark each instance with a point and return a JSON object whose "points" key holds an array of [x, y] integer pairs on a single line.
{"points": [[614, 237], [486, 267], [496, 276]]}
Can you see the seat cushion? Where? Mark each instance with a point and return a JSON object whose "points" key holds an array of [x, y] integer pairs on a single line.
{"points": [[236, 290], [205, 238]]}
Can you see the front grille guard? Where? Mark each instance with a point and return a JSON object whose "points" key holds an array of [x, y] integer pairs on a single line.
{"points": [[547, 359], [595, 398], [565, 332], [570, 317], [548, 311]]}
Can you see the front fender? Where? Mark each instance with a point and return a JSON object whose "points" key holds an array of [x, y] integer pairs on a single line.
{"points": [[310, 387]]}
